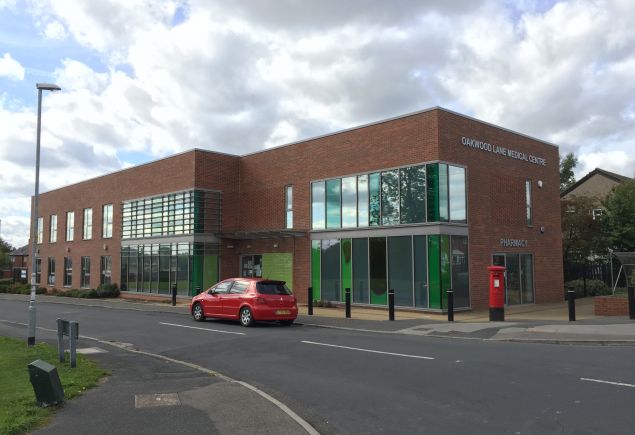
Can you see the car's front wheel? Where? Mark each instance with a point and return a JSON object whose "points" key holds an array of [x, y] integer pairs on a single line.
{"points": [[197, 312], [246, 318]]}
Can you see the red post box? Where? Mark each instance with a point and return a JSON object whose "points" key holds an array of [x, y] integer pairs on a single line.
{"points": [[496, 293]]}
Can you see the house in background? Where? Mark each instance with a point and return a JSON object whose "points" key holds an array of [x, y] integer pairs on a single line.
{"points": [[19, 264], [596, 184]]}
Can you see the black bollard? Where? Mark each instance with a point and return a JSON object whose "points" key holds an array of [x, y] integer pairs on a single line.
{"points": [[347, 299], [310, 301], [173, 295], [391, 304], [571, 299], [450, 305], [198, 289], [631, 302]]}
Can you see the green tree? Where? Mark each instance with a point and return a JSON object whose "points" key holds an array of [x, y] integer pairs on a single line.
{"points": [[5, 248], [582, 236], [567, 178], [619, 219]]}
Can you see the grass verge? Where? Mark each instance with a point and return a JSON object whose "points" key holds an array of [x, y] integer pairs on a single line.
{"points": [[19, 412]]}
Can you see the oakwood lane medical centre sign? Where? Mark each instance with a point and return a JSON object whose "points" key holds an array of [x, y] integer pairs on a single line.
{"points": [[505, 152]]}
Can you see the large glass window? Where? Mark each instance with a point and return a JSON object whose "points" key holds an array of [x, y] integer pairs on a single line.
{"points": [[360, 271], [443, 193], [85, 281], [400, 269], [458, 209], [51, 271], [288, 199], [346, 266], [349, 202], [70, 226], [316, 252], [68, 271], [88, 223], [106, 270], [413, 194], [362, 200], [40, 230], [106, 229], [333, 204], [38, 270], [527, 278], [330, 270], [53, 229], [512, 274], [377, 266], [432, 190], [390, 197], [318, 205], [528, 202], [182, 213]]}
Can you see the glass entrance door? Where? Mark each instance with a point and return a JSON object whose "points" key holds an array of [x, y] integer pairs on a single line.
{"points": [[251, 266], [519, 277]]}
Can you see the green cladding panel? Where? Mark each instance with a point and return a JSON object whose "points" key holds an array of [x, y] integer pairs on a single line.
{"points": [[347, 269], [278, 266], [210, 271], [316, 252], [445, 263], [434, 273]]}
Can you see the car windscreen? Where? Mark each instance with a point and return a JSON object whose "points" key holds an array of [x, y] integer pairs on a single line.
{"points": [[272, 288]]}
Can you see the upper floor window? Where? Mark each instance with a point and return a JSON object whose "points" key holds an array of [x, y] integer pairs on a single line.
{"points": [[597, 213], [288, 199], [434, 192], [70, 226], [88, 223], [528, 211], [40, 229], [53, 230], [106, 230]]}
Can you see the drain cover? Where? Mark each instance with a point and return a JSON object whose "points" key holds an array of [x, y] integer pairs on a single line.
{"points": [[150, 400]]}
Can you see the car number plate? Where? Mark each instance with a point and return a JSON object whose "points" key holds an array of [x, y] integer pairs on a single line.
{"points": [[280, 312]]}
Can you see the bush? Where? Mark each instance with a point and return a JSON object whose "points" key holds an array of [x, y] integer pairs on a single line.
{"points": [[103, 291], [108, 291], [21, 289], [594, 287]]}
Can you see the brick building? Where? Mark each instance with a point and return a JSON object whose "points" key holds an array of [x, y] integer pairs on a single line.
{"points": [[419, 203]]}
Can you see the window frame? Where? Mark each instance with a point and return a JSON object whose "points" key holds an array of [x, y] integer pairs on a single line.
{"points": [[87, 233], [107, 215], [85, 272], [39, 230], [529, 213], [53, 228], [288, 201], [70, 229], [50, 279]]}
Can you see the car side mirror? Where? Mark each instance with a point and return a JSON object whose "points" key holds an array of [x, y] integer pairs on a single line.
{"points": [[211, 292]]}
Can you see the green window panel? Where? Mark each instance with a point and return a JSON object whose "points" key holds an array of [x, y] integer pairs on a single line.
{"points": [[420, 271], [400, 269], [316, 253], [377, 266], [413, 194], [210, 271], [445, 263], [360, 271], [432, 200], [434, 271], [443, 193], [197, 273], [331, 270], [390, 197], [362, 201], [333, 204], [318, 205], [349, 202], [347, 266], [374, 198], [278, 266]]}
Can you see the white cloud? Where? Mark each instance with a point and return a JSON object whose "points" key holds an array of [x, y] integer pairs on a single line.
{"points": [[11, 68], [620, 162], [55, 30]]}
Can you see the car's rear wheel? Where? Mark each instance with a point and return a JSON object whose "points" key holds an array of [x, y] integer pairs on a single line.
{"points": [[197, 312], [286, 322], [246, 318]]}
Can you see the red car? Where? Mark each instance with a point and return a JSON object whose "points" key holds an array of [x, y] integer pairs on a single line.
{"points": [[247, 300]]}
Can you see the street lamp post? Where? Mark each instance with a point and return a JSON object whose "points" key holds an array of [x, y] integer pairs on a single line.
{"points": [[34, 215]]}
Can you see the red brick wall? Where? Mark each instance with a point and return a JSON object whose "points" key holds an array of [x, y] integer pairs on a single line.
{"points": [[611, 306]]}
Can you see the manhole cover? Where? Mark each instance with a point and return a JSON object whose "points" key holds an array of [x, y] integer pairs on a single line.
{"points": [[150, 400]]}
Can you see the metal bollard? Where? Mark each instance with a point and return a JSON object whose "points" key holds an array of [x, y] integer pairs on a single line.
{"points": [[631, 302], [347, 299], [310, 301], [60, 339], [391, 304], [173, 295], [72, 339], [450, 305], [571, 300], [198, 289]]}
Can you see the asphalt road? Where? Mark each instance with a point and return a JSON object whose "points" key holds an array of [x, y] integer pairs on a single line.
{"points": [[357, 382]]}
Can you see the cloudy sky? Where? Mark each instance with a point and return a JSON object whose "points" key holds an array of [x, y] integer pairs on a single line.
{"points": [[143, 79]]}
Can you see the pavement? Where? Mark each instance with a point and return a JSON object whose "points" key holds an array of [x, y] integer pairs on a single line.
{"points": [[152, 393]]}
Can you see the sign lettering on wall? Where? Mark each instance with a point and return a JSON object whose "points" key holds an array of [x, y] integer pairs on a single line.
{"points": [[502, 151], [514, 243]]}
